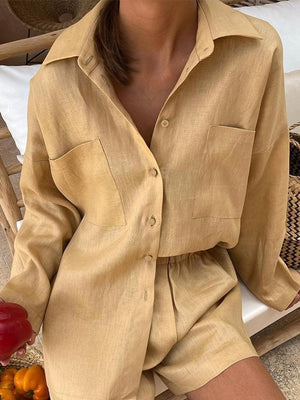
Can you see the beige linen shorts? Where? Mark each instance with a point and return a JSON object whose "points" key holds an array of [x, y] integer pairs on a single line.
{"points": [[197, 329]]}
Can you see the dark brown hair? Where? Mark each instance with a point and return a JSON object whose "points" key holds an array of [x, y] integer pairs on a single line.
{"points": [[110, 46]]}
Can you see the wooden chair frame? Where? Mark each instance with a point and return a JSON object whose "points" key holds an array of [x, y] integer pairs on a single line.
{"points": [[10, 207]]}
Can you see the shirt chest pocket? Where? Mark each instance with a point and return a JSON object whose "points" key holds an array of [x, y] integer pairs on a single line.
{"points": [[84, 177], [222, 179]]}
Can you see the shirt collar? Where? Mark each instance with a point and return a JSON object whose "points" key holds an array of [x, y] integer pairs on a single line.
{"points": [[215, 20]]}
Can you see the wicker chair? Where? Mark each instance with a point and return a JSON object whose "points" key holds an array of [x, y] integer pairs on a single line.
{"points": [[11, 207]]}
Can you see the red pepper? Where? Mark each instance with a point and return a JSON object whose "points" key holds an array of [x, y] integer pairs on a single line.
{"points": [[15, 329]]}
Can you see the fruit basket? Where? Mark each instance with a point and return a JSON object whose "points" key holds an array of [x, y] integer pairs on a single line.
{"points": [[33, 356], [24, 377]]}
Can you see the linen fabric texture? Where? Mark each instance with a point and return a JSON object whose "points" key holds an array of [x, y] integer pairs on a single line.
{"points": [[102, 207], [196, 329]]}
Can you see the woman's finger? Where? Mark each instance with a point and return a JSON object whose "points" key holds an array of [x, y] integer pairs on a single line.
{"points": [[5, 362], [32, 339], [295, 301], [21, 350], [21, 355]]}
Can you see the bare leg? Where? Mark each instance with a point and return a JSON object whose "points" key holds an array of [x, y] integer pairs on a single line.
{"points": [[247, 379]]}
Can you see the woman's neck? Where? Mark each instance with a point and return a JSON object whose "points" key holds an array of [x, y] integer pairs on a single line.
{"points": [[155, 32]]}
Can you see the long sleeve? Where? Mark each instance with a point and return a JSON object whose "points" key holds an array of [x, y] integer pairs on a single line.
{"points": [[48, 224], [263, 222]]}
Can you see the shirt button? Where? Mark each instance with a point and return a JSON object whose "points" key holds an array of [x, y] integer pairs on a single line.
{"points": [[164, 123], [154, 171], [152, 220], [148, 257]]}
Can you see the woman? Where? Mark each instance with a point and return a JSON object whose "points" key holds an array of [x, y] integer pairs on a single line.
{"points": [[148, 179]]}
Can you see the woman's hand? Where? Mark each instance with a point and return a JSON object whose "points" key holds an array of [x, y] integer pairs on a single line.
{"points": [[295, 301], [21, 350]]}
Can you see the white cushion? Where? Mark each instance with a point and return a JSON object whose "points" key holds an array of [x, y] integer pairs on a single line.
{"points": [[292, 94], [14, 83], [284, 16], [19, 223]]}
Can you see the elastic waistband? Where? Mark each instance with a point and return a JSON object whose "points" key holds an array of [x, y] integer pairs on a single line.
{"points": [[179, 257]]}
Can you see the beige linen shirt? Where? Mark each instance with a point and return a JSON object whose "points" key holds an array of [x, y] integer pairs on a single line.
{"points": [[101, 205]]}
